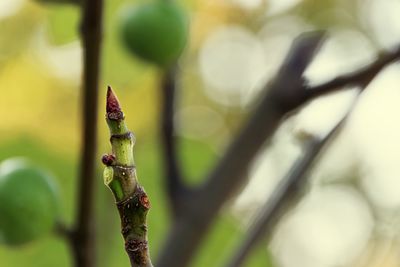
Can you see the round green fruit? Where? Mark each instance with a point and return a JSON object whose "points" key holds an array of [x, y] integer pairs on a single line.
{"points": [[28, 202], [156, 31]]}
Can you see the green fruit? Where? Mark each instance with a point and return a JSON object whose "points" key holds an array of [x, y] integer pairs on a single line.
{"points": [[28, 202], [156, 31]]}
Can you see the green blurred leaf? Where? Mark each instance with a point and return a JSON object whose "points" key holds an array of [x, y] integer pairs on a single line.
{"points": [[196, 157]]}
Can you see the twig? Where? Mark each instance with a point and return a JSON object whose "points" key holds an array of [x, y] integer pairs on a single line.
{"points": [[63, 231], [91, 30], [188, 230], [287, 192], [174, 182], [359, 77], [289, 188], [284, 95], [120, 176]]}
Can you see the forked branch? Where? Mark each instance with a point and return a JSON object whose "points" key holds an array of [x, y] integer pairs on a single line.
{"points": [[285, 94], [288, 191], [293, 183], [189, 228]]}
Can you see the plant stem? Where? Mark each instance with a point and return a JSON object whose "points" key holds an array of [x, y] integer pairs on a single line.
{"points": [[175, 187], [120, 176], [83, 244], [189, 229], [284, 95], [361, 76], [287, 192]]}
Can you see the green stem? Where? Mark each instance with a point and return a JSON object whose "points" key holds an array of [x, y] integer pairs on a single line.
{"points": [[120, 176]]}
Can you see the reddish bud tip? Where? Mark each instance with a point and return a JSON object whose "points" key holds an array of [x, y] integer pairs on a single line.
{"points": [[113, 108], [112, 105]]}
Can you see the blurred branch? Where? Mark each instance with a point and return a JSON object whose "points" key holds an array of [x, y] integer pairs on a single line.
{"points": [[284, 195], [285, 94], [174, 181], [199, 212], [83, 244], [358, 77], [63, 231], [289, 188]]}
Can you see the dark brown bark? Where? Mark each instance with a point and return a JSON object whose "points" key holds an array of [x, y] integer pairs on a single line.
{"points": [[174, 183], [83, 244]]}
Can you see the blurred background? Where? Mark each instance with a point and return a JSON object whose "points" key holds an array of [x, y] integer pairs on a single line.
{"points": [[349, 217]]}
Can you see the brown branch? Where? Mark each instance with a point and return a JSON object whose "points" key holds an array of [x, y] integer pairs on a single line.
{"points": [[284, 95], [290, 187], [358, 77], [174, 181], [83, 244], [288, 191], [199, 212], [63, 231]]}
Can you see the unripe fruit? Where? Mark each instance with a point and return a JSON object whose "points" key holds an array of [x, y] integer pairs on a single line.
{"points": [[28, 202], [155, 31]]}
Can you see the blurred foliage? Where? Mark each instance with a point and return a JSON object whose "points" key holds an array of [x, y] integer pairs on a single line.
{"points": [[65, 18]]}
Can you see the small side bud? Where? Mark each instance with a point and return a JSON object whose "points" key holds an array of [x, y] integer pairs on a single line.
{"points": [[144, 200], [108, 159]]}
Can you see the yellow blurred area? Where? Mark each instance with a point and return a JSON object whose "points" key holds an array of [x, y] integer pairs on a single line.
{"points": [[380, 253], [37, 104], [31, 104]]}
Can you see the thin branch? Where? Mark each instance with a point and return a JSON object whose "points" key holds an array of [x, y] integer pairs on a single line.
{"points": [[63, 231], [289, 188], [174, 181], [91, 31], [120, 176], [359, 77], [189, 229], [284, 95], [286, 193]]}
